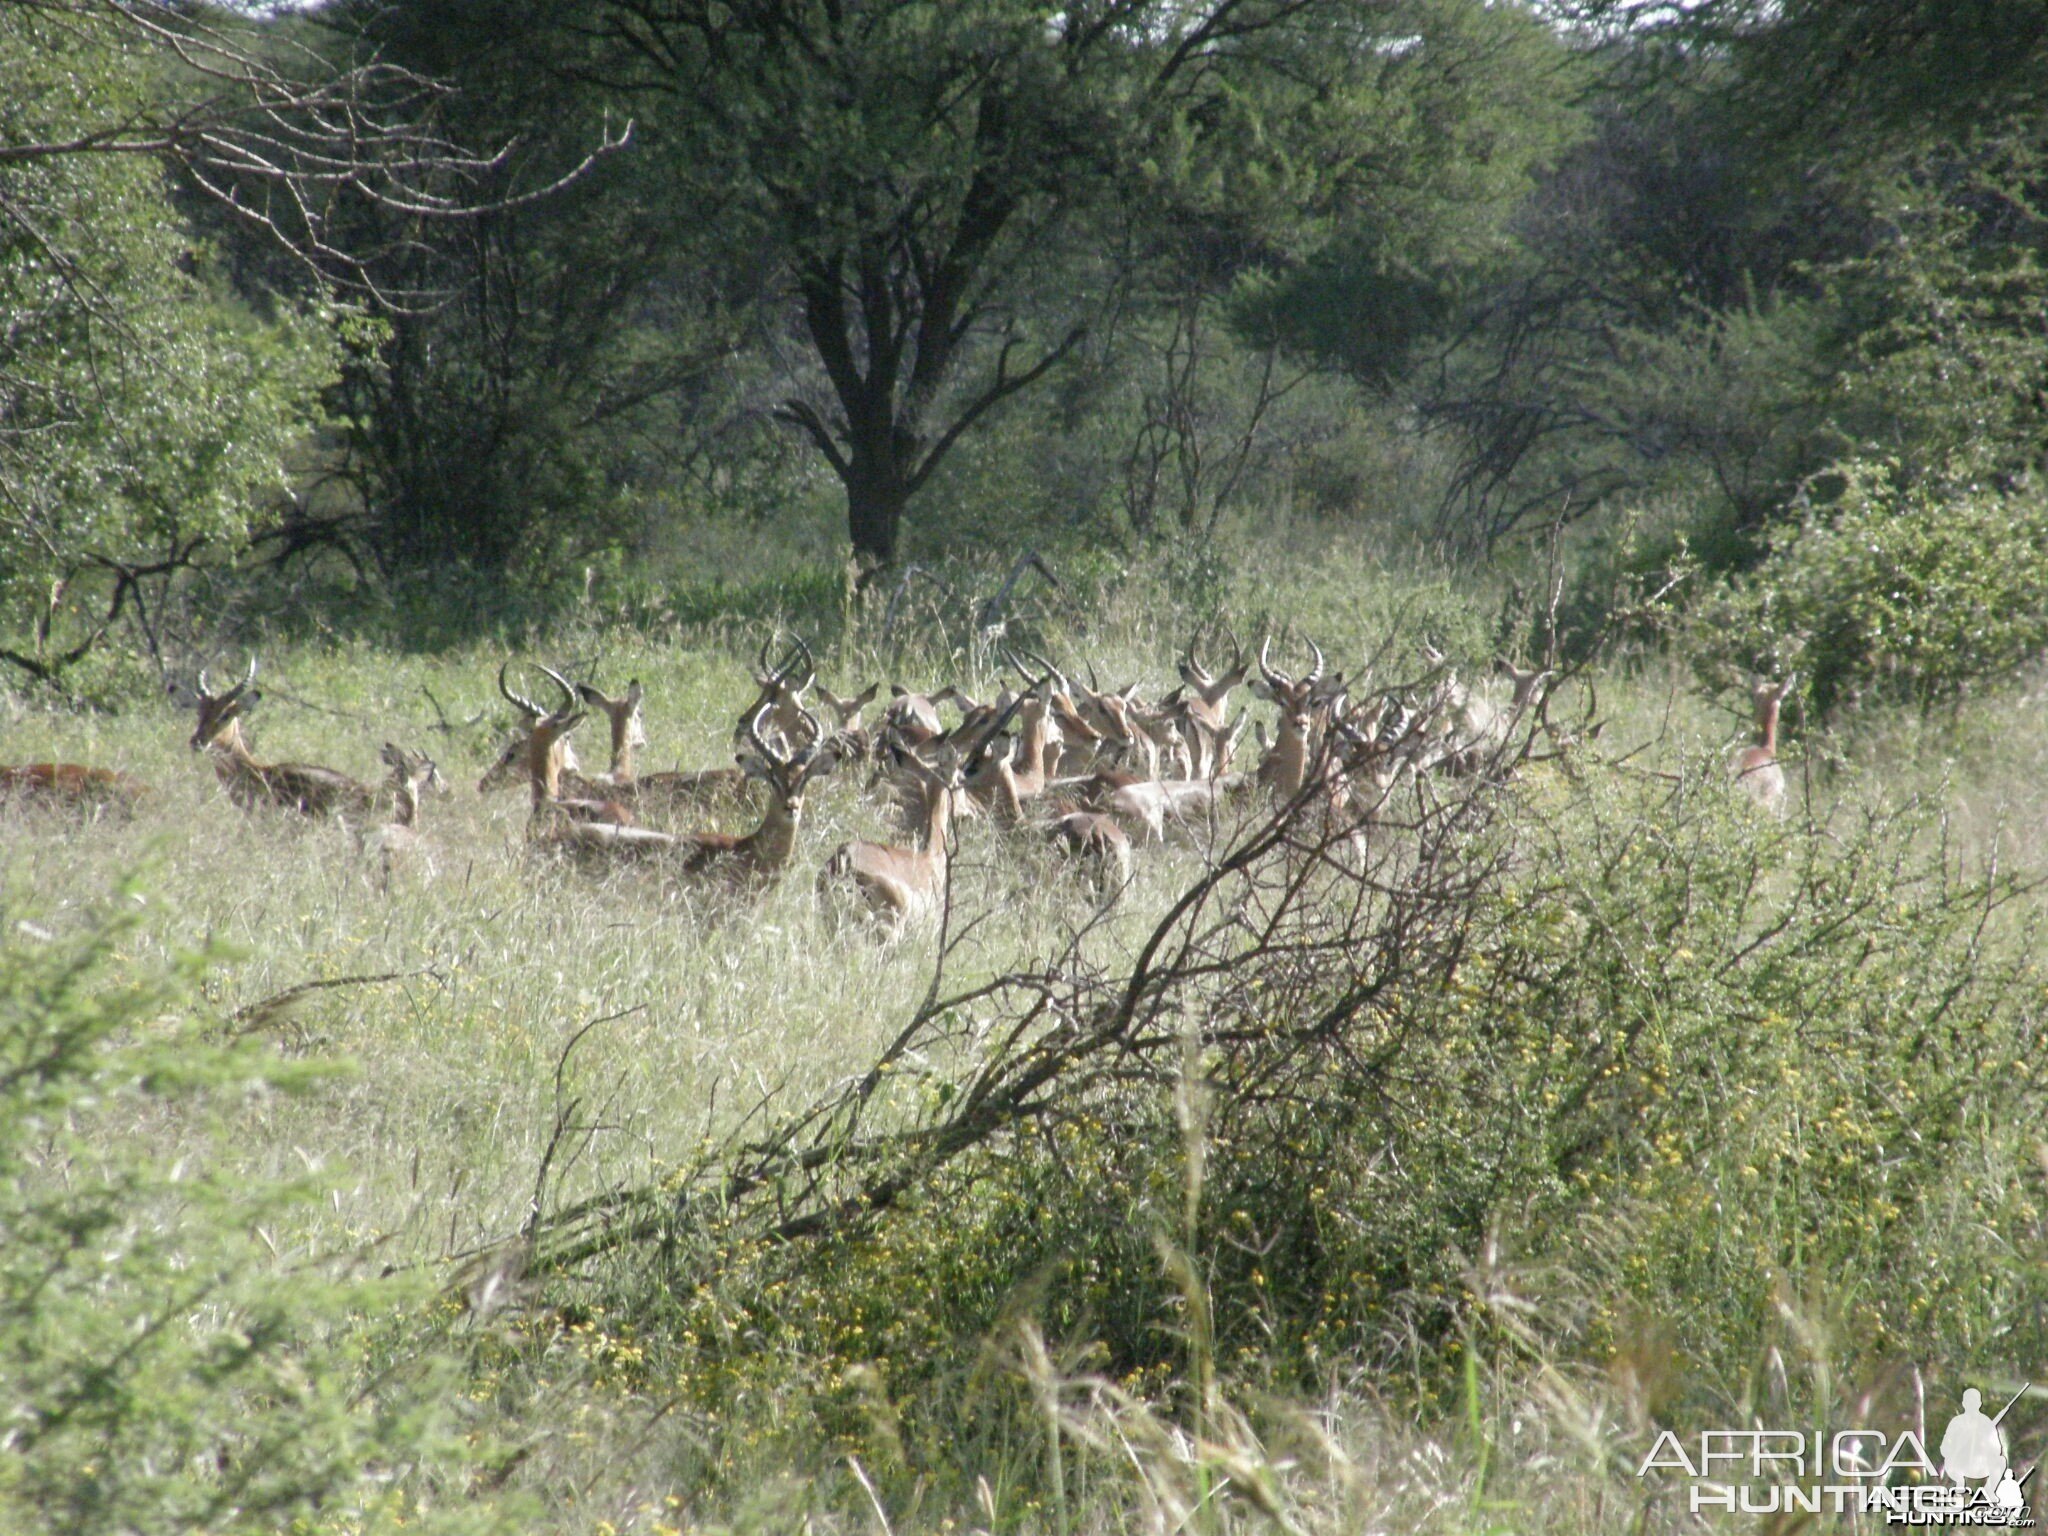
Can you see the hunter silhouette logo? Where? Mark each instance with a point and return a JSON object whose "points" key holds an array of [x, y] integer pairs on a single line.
{"points": [[1867, 1471]]}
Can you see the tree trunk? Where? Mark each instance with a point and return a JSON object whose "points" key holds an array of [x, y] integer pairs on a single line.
{"points": [[877, 491]]}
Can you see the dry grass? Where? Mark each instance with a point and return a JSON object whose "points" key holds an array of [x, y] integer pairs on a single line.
{"points": [[708, 1007]]}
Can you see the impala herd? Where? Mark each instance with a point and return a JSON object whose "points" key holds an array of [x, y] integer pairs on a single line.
{"points": [[1093, 771]]}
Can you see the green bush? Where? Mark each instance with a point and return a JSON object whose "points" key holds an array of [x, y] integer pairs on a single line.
{"points": [[1676, 1060], [161, 1369], [1909, 591]]}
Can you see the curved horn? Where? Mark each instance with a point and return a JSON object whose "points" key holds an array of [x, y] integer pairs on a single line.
{"points": [[561, 682], [802, 651], [250, 677], [517, 701], [762, 671], [1276, 679], [1317, 674], [995, 732], [202, 682], [817, 729], [768, 754]]}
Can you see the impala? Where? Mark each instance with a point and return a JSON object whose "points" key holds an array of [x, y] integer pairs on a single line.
{"points": [[1285, 766], [903, 885], [548, 757], [1471, 727], [70, 785], [510, 766], [760, 855], [782, 693], [303, 787], [647, 791], [1098, 842], [910, 719], [1205, 708], [993, 778], [1756, 767], [412, 774], [851, 740]]}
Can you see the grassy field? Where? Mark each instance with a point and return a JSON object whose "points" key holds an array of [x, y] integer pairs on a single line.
{"points": [[517, 997]]}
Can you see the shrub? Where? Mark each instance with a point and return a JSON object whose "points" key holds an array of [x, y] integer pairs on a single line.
{"points": [[1909, 591], [160, 1371]]}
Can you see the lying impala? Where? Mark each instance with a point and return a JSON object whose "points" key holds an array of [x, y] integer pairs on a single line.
{"points": [[902, 886], [666, 791], [304, 787], [761, 855], [511, 764], [412, 774], [72, 786], [1001, 783], [782, 691], [746, 861], [548, 758], [1205, 709], [1285, 767], [1472, 727]]}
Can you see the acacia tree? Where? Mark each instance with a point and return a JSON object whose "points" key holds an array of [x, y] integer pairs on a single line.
{"points": [[909, 176]]}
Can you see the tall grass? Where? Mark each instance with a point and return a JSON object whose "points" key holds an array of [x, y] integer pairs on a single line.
{"points": [[531, 1020]]}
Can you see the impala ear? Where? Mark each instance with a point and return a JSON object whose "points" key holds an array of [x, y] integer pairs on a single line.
{"points": [[634, 692], [752, 764], [866, 696], [1264, 690]]}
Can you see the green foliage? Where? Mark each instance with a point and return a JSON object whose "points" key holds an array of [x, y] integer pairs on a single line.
{"points": [[1908, 589], [163, 1369], [1473, 105], [1694, 1062], [140, 405]]}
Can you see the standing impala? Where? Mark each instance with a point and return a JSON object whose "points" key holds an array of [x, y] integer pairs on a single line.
{"points": [[304, 787], [903, 885], [1756, 768]]}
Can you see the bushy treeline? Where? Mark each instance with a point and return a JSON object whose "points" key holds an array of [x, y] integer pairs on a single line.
{"points": [[969, 274]]}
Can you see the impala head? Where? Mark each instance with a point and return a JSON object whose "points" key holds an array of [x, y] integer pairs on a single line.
{"points": [[847, 712], [510, 765], [1767, 696], [629, 730], [782, 689], [412, 772], [1214, 687], [910, 719], [220, 714], [545, 751], [787, 773], [1529, 683], [1296, 698]]}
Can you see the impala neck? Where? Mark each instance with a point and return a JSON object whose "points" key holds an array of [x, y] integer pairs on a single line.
{"points": [[938, 826], [776, 839], [405, 806], [1767, 726], [544, 767], [622, 749], [232, 759], [1290, 755]]}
